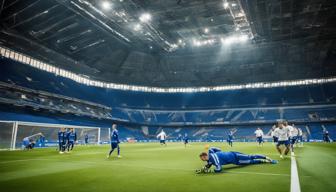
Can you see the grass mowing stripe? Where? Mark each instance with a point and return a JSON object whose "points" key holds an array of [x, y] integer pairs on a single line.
{"points": [[295, 182], [151, 167]]}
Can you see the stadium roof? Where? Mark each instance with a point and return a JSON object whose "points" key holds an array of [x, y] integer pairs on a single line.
{"points": [[176, 43]]}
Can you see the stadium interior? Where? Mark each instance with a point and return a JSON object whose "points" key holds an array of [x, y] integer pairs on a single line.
{"points": [[201, 67]]}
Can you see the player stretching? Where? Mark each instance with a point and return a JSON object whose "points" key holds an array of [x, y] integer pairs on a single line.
{"points": [[72, 138], [162, 135], [259, 135], [218, 158], [185, 139], [29, 142], [283, 134], [61, 140], [114, 141]]}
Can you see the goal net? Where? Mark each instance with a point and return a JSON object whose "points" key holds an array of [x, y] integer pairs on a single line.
{"points": [[13, 133]]}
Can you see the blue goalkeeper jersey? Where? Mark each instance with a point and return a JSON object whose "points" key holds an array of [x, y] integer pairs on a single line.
{"points": [[218, 158], [115, 136]]}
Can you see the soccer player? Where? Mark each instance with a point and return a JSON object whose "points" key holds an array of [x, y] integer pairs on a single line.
{"points": [[216, 157], [300, 137], [61, 140], [259, 135], [283, 133], [72, 138], [86, 139], [294, 136], [185, 139], [29, 142], [275, 138], [114, 141], [230, 138], [162, 135], [326, 137]]}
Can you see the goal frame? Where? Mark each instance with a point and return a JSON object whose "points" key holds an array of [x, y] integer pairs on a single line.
{"points": [[16, 124]]}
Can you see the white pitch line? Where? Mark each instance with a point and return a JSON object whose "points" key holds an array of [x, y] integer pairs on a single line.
{"points": [[295, 182]]}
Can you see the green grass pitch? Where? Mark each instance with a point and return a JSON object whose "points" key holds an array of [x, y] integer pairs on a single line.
{"points": [[151, 167]]}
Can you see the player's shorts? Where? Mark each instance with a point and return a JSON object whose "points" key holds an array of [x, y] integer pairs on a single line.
{"points": [[163, 141], [114, 145], [283, 143], [275, 139], [293, 139], [259, 139], [300, 138], [186, 141], [71, 142]]}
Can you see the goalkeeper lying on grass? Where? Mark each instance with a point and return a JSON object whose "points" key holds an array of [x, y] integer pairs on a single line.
{"points": [[217, 158]]}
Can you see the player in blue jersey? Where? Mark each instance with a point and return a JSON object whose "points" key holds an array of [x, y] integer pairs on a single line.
{"points": [[185, 139], [72, 138], [114, 141], [230, 138], [29, 142], [86, 139], [61, 140], [216, 157]]}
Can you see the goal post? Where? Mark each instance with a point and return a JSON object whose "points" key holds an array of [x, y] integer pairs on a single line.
{"points": [[12, 134], [7, 132]]}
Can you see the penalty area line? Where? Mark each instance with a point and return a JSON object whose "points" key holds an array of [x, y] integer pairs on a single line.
{"points": [[295, 182]]}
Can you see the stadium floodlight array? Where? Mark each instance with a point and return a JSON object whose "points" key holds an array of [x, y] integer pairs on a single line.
{"points": [[7, 53], [13, 132], [239, 18]]}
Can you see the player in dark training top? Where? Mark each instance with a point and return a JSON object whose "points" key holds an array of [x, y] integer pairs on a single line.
{"points": [[185, 139], [61, 140], [72, 138], [114, 141]]}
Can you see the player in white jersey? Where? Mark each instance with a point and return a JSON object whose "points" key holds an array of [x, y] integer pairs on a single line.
{"points": [[162, 136], [283, 133], [275, 139], [285, 123], [300, 139], [294, 136], [259, 135]]}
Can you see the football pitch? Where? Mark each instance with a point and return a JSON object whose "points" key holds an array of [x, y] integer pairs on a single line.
{"points": [[151, 167]]}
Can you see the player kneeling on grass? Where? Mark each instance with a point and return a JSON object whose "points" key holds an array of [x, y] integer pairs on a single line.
{"points": [[114, 141], [218, 158]]}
